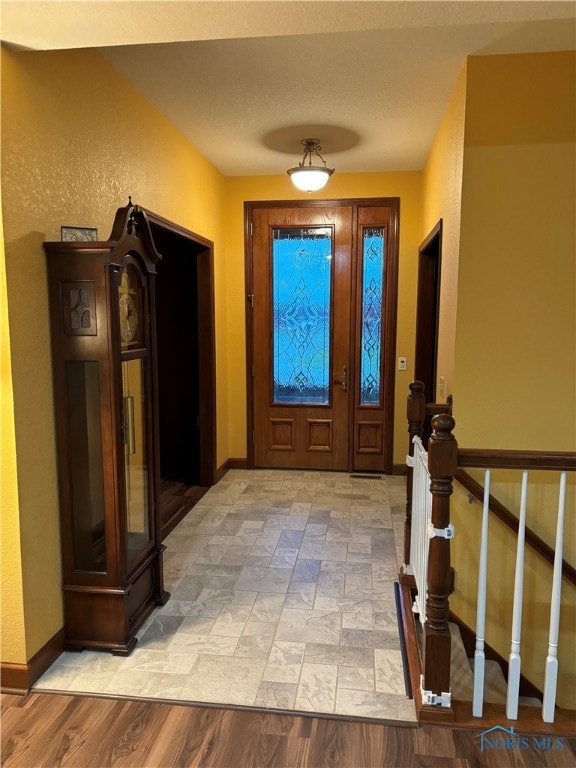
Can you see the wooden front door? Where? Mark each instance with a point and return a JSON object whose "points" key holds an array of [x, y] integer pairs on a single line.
{"points": [[321, 329]]}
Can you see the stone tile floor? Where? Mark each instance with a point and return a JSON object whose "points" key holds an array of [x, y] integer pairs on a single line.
{"points": [[282, 597]]}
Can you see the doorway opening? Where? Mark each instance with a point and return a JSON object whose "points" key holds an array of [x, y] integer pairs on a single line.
{"points": [[186, 369], [322, 280], [428, 311], [427, 316]]}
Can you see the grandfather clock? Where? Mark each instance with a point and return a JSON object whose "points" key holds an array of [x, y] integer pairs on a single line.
{"points": [[104, 358]]}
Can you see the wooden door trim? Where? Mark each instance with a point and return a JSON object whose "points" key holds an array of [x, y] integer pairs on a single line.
{"points": [[249, 324], [390, 332], [428, 310], [390, 311], [206, 343]]}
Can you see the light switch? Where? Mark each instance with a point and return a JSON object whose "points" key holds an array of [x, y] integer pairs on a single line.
{"points": [[401, 363]]}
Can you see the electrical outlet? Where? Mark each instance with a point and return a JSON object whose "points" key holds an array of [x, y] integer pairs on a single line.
{"points": [[401, 363]]}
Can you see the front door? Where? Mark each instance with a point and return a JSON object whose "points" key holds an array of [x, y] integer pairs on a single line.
{"points": [[321, 330]]}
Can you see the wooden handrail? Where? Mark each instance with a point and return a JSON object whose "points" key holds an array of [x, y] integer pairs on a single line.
{"points": [[432, 409], [497, 459], [504, 514]]}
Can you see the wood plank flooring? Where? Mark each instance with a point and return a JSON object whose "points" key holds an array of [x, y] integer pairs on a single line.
{"points": [[44, 730]]}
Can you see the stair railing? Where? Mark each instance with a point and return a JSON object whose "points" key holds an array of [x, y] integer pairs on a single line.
{"points": [[524, 461], [445, 461]]}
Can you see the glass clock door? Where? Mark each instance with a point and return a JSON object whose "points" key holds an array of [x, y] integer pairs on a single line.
{"points": [[135, 410], [135, 455]]}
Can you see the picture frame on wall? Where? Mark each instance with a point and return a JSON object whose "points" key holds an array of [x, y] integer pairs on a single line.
{"points": [[78, 234]]}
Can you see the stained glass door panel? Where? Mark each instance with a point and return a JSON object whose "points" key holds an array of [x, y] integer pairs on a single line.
{"points": [[301, 307], [371, 319]]}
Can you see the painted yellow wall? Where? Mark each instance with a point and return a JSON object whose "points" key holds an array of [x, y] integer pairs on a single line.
{"points": [[515, 351], [13, 645], [406, 186], [77, 139], [442, 195], [516, 335]]}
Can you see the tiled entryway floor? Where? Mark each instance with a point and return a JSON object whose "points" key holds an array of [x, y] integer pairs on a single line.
{"points": [[282, 597]]}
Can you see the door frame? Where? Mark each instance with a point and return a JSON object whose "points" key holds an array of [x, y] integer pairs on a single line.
{"points": [[389, 316], [204, 257], [428, 311]]}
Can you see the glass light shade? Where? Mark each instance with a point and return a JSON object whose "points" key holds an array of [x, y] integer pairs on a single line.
{"points": [[310, 178]]}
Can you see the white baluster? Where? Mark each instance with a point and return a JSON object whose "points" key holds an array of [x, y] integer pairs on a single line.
{"points": [[551, 675], [479, 658], [514, 661]]}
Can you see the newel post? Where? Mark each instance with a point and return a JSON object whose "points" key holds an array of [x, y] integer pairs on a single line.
{"points": [[415, 408], [442, 464]]}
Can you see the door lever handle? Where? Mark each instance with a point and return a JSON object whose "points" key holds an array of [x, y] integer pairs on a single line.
{"points": [[344, 378]]}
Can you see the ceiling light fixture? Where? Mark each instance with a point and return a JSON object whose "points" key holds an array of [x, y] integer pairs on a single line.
{"points": [[307, 177]]}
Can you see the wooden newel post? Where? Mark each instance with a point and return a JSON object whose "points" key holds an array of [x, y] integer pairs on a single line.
{"points": [[416, 408], [442, 463]]}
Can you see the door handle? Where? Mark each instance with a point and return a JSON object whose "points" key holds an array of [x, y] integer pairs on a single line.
{"points": [[344, 378]]}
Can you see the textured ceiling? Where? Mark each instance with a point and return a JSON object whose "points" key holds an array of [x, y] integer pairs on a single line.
{"points": [[246, 81]]}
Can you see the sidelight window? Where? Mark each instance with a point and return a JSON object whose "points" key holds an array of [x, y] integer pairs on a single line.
{"points": [[371, 320]]}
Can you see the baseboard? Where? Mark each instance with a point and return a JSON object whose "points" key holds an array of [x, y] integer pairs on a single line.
{"points": [[19, 678], [397, 469], [230, 464]]}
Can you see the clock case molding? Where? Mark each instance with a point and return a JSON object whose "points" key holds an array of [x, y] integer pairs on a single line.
{"points": [[110, 583]]}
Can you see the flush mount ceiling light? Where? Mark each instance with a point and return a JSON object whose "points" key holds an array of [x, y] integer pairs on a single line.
{"points": [[306, 176]]}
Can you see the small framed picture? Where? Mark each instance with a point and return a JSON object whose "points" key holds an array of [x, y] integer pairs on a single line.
{"points": [[78, 234]]}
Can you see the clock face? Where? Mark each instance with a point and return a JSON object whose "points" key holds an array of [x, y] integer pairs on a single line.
{"points": [[128, 317], [129, 307]]}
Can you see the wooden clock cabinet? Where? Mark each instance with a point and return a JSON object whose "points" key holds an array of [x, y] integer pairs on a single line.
{"points": [[102, 306]]}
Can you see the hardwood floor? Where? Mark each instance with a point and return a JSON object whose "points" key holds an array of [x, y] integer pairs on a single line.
{"points": [[44, 730]]}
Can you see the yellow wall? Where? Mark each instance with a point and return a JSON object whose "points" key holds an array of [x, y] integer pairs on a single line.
{"points": [[515, 352], [406, 186], [442, 195], [13, 646], [77, 139], [516, 335]]}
